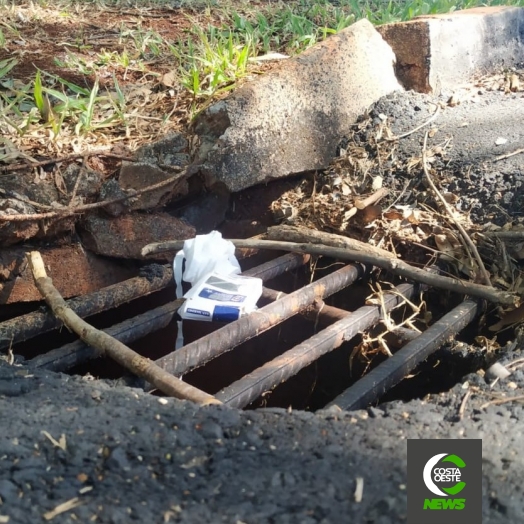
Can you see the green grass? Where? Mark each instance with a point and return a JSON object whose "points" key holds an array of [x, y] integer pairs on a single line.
{"points": [[215, 53]]}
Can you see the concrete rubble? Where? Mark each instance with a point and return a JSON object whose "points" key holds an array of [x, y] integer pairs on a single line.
{"points": [[291, 119], [125, 236]]}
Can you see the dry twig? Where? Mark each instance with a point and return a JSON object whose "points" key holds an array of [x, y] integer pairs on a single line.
{"points": [[371, 199], [515, 234], [428, 121], [447, 207], [500, 401], [395, 266], [78, 180], [66, 212], [509, 155], [312, 236], [74, 156], [63, 507], [126, 357], [462, 407]]}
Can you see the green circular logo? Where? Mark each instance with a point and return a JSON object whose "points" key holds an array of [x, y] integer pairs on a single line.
{"points": [[435, 474]]}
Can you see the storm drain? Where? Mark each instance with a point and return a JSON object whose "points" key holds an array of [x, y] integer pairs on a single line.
{"points": [[332, 327]]}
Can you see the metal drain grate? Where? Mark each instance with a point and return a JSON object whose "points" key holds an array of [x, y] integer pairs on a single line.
{"points": [[335, 326]]}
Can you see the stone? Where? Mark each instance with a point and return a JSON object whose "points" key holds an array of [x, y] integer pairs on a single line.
{"points": [[88, 185], [111, 190], [442, 51], [14, 232], [125, 236], [138, 175], [172, 150], [291, 119], [91, 273]]}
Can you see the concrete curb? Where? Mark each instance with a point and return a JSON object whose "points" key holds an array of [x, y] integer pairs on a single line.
{"points": [[441, 51]]}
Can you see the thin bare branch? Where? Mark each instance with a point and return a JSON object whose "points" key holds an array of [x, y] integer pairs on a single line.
{"points": [[66, 212], [427, 122], [395, 266], [516, 234], [509, 155], [126, 357], [447, 207], [74, 156]]}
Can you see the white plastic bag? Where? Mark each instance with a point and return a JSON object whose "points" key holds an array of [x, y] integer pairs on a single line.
{"points": [[216, 293], [205, 254]]}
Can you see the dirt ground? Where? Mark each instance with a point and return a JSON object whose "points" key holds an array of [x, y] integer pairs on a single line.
{"points": [[78, 450]]}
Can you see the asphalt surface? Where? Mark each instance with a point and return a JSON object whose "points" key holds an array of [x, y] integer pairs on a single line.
{"points": [[473, 127], [124, 456]]}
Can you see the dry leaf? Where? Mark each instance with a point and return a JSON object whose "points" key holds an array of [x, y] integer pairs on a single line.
{"points": [[447, 244], [169, 79], [346, 190], [393, 214], [377, 183], [512, 317], [371, 213], [450, 198]]}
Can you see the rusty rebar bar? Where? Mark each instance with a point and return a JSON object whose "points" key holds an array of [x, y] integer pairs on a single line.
{"points": [[390, 372], [318, 312], [244, 391], [78, 352], [25, 327], [75, 353], [228, 337], [125, 356], [277, 266]]}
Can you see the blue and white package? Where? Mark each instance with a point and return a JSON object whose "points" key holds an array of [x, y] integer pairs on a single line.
{"points": [[221, 298]]}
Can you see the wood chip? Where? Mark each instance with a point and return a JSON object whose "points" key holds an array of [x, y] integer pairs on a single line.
{"points": [[359, 489], [61, 443], [62, 508]]}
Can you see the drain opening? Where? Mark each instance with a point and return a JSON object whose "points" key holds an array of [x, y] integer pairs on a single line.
{"points": [[294, 351]]}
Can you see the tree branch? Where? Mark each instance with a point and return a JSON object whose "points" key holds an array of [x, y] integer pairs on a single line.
{"points": [[126, 357], [394, 265], [66, 212]]}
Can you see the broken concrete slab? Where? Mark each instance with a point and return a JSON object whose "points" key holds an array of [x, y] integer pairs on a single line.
{"points": [[138, 175], [125, 236], [442, 51], [74, 272], [291, 120]]}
